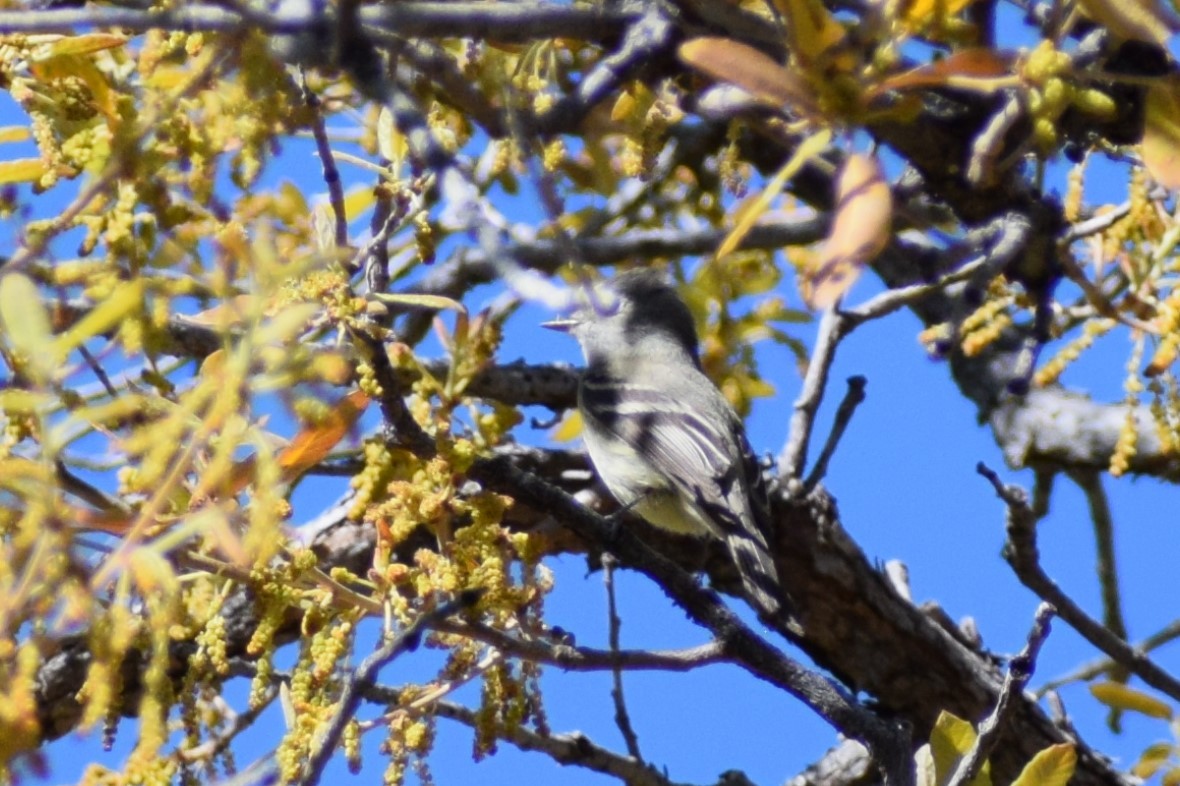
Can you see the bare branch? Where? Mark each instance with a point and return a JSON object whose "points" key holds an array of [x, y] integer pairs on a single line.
{"points": [[622, 718], [1021, 553], [1020, 670], [852, 399]]}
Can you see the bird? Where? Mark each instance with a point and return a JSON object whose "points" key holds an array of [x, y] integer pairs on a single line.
{"points": [[661, 436]]}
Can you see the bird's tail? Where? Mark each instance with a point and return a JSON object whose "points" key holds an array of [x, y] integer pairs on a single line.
{"points": [[757, 569]]}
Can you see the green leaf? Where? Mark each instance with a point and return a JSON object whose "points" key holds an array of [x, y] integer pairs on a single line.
{"points": [[1053, 766], [808, 149], [1120, 697], [420, 301], [26, 324]]}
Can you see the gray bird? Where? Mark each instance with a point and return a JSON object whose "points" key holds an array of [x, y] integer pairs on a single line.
{"points": [[660, 434]]}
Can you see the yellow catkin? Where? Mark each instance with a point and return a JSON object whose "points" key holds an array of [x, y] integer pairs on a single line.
{"points": [[1124, 450], [1053, 369]]}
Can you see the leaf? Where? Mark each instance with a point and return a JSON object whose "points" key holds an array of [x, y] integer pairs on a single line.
{"points": [[311, 445], [1153, 758], [420, 301], [808, 149], [126, 299], [812, 32], [21, 170], [1160, 147], [752, 70], [919, 14], [1120, 697], [80, 45], [1138, 20], [860, 231], [569, 428], [14, 134], [26, 323], [1053, 766], [975, 65], [950, 738]]}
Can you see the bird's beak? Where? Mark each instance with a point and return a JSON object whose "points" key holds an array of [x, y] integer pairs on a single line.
{"points": [[563, 325]]}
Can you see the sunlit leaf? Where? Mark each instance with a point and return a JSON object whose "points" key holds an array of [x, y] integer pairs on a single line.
{"points": [[26, 324], [1138, 20], [1121, 697], [1053, 766], [569, 429], [21, 170], [14, 133], [420, 301], [920, 14], [312, 445], [1161, 133], [860, 231], [125, 299], [1153, 758], [808, 149], [750, 69], [80, 45], [813, 33]]}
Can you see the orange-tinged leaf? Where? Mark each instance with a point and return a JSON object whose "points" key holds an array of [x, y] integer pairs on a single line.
{"points": [[1053, 766], [21, 170], [1120, 697], [1138, 20], [1160, 147], [860, 231], [975, 65], [750, 69], [311, 445], [808, 149]]}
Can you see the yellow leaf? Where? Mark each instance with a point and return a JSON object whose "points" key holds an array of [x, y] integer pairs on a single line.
{"points": [[1160, 147], [812, 31], [808, 149], [26, 323], [358, 201], [860, 231], [83, 44], [420, 301], [14, 134], [569, 428], [1154, 757], [921, 13], [21, 170], [81, 67], [1171, 777], [1120, 697], [126, 299], [750, 69], [1053, 766], [1139, 20]]}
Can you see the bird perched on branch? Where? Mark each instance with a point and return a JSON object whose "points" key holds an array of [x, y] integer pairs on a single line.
{"points": [[660, 434]]}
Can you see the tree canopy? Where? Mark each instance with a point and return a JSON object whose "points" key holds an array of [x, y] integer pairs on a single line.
{"points": [[259, 425]]}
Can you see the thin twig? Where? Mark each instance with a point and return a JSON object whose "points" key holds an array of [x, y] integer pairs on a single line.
{"points": [[1021, 553], [852, 399], [327, 160], [832, 328], [1090, 482], [1100, 666], [365, 676], [622, 718], [585, 659], [1020, 670]]}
